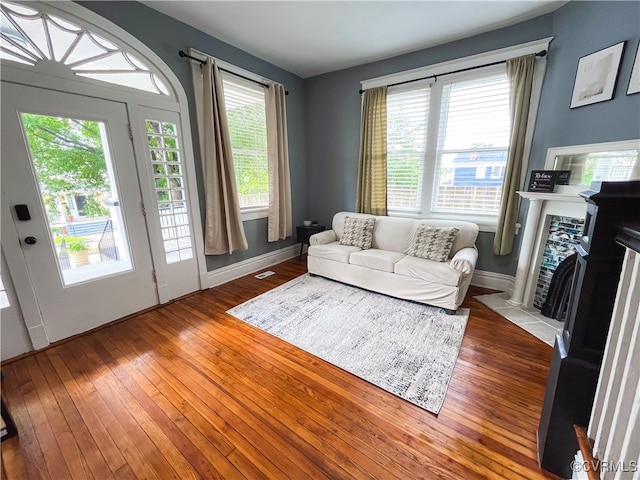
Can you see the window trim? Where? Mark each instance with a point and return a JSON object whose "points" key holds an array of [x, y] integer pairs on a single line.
{"points": [[486, 223], [471, 61]]}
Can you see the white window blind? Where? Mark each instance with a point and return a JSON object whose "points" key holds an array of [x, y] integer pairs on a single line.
{"points": [[245, 104], [407, 121], [447, 145], [473, 141]]}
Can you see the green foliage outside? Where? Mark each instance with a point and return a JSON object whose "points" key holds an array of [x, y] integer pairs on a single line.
{"points": [[77, 246], [69, 159], [69, 239], [405, 153], [248, 133]]}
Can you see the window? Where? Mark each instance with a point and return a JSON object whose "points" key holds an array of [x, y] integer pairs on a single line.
{"points": [[447, 144], [4, 298], [245, 103], [29, 36], [171, 199], [407, 119]]}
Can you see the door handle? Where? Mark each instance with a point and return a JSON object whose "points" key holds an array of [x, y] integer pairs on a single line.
{"points": [[30, 240]]}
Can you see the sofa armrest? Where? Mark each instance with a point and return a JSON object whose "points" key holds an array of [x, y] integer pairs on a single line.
{"points": [[322, 238], [465, 260]]}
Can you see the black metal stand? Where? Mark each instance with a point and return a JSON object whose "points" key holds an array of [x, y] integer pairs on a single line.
{"points": [[10, 429]]}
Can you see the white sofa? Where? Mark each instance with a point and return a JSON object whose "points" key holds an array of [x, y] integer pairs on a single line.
{"points": [[386, 268]]}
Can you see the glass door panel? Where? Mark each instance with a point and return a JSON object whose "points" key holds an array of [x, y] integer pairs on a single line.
{"points": [[72, 163]]}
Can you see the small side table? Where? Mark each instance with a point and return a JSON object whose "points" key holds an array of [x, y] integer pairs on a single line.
{"points": [[303, 233]]}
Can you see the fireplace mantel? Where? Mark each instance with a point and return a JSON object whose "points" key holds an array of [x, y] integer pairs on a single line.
{"points": [[541, 205]]}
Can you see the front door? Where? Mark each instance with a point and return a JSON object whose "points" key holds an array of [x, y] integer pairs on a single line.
{"points": [[70, 186]]}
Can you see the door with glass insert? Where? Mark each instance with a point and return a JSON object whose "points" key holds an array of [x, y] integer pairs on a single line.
{"points": [[70, 184]]}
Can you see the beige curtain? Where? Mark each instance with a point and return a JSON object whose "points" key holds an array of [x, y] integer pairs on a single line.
{"points": [[520, 74], [371, 196], [278, 160], [224, 231]]}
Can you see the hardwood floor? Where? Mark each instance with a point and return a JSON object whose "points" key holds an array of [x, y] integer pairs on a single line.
{"points": [[186, 391]]}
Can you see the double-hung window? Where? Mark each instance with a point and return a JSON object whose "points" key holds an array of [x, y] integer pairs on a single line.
{"points": [[245, 105], [447, 142]]}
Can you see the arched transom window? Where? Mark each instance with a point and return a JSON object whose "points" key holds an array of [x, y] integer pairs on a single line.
{"points": [[29, 36]]}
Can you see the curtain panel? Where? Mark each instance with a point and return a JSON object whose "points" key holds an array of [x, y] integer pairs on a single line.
{"points": [[520, 74], [280, 223], [371, 196], [224, 232]]}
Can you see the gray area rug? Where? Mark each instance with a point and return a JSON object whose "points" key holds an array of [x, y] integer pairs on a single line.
{"points": [[406, 348]]}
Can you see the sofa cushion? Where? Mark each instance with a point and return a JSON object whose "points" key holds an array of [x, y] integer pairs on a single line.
{"points": [[428, 270], [333, 251], [467, 234], [393, 234], [432, 243], [358, 232], [376, 259]]}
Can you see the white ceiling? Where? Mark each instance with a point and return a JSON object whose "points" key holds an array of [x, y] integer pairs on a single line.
{"points": [[313, 37]]}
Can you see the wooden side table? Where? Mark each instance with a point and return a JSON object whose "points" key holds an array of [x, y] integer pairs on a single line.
{"points": [[303, 233]]}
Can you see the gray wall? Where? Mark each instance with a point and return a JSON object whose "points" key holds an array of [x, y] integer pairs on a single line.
{"points": [[165, 36], [333, 103], [324, 111]]}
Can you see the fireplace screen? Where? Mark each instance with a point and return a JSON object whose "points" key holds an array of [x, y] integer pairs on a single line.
{"points": [[563, 236]]}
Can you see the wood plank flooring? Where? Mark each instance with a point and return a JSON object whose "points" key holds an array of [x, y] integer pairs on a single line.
{"points": [[187, 391]]}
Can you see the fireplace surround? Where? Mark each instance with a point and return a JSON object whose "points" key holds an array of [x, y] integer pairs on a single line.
{"points": [[542, 207]]}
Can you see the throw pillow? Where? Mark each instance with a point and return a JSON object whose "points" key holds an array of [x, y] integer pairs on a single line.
{"points": [[358, 232], [432, 243]]}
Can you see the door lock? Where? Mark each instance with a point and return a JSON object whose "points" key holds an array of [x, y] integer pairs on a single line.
{"points": [[30, 240]]}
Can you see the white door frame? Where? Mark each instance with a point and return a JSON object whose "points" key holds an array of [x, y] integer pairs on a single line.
{"points": [[54, 76]]}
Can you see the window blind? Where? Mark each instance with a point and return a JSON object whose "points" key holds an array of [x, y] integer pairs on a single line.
{"points": [[407, 123], [245, 105], [473, 140]]}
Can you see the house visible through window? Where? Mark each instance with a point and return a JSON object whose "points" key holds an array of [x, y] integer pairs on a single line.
{"points": [[447, 144], [245, 104]]}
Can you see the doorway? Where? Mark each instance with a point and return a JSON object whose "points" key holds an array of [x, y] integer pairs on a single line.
{"points": [[58, 147]]}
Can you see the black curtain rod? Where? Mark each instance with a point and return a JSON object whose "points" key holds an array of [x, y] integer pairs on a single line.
{"points": [[543, 53], [202, 62]]}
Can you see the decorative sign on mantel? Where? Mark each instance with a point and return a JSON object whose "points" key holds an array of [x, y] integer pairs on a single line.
{"points": [[543, 181]]}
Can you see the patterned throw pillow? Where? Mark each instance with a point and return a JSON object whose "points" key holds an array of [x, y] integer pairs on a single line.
{"points": [[432, 243], [358, 232]]}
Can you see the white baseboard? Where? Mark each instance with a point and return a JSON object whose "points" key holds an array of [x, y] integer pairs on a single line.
{"points": [[496, 281], [245, 267]]}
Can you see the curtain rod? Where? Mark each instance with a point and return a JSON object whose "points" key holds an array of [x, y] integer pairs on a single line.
{"points": [[202, 62], [543, 53]]}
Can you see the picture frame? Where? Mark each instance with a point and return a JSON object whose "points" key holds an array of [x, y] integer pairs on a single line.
{"points": [[634, 80], [596, 76]]}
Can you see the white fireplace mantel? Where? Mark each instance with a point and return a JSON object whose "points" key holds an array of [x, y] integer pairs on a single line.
{"points": [[541, 206]]}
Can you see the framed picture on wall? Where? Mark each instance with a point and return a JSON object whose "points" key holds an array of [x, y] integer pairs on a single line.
{"points": [[634, 81], [596, 76]]}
